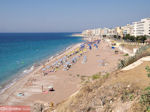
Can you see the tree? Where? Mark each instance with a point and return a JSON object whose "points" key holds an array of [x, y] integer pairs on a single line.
{"points": [[115, 36], [132, 38], [141, 38]]}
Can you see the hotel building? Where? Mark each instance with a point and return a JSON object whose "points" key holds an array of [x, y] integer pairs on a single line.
{"points": [[141, 27]]}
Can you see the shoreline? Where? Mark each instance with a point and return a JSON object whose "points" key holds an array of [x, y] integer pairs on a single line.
{"points": [[68, 80], [31, 68], [77, 35]]}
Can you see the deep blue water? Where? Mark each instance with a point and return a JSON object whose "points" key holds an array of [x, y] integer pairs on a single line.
{"points": [[20, 50]]}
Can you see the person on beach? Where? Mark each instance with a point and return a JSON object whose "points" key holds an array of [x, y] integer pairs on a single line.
{"points": [[42, 88]]}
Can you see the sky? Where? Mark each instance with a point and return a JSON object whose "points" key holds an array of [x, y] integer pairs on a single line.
{"points": [[69, 15]]}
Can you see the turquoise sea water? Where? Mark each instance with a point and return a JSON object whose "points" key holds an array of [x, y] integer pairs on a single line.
{"points": [[19, 51]]}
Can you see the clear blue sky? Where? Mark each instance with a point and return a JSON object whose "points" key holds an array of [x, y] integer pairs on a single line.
{"points": [[69, 15]]}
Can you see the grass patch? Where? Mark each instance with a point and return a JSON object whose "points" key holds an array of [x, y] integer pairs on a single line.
{"points": [[78, 75], [128, 95], [126, 54], [145, 100], [96, 76], [106, 75], [145, 97], [148, 70]]}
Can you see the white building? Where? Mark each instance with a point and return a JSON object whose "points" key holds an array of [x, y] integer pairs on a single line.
{"points": [[128, 29], [119, 31], [92, 32], [141, 27], [98, 31], [105, 31], [136, 29]]}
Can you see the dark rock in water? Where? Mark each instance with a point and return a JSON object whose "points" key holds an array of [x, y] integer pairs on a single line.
{"points": [[37, 107]]}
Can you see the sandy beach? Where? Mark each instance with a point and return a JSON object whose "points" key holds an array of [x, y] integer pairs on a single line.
{"points": [[65, 83]]}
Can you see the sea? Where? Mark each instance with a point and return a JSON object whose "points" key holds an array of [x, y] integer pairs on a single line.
{"points": [[20, 52]]}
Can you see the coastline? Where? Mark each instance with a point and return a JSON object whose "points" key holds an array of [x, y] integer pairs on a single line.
{"points": [[25, 76], [31, 68], [68, 80], [77, 35]]}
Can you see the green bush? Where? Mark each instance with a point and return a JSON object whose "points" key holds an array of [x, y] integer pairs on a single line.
{"points": [[145, 100], [148, 70], [145, 97], [140, 39], [126, 54], [96, 76]]}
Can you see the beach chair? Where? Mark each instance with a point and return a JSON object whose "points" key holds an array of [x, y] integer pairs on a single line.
{"points": [[84, 50], [65, 68]]}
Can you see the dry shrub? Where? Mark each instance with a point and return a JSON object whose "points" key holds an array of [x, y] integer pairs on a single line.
{"points": [[141, 52]]}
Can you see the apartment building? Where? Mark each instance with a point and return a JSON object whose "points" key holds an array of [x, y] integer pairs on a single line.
{"points": [[99, 32], [141, 27], [128, 29], [136, 29], [119, 31]]}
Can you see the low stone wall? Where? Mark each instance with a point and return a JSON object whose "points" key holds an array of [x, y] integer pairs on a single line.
{"points": [[135, 43], [125, 50], [131, 53]]}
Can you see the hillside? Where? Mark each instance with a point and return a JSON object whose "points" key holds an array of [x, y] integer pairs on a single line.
{"points": [[120, 91], [125, 90]]}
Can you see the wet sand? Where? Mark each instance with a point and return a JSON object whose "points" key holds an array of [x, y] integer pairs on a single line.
{"points": [[65, 83]]}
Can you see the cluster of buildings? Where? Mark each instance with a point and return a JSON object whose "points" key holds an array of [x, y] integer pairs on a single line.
{"points": [[139, 28]]}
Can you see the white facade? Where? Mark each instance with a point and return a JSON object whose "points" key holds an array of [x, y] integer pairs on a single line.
{"points": [[105, 31], [92, 32], [136, 29], [99, 32], [141, 28], [128, 29]]}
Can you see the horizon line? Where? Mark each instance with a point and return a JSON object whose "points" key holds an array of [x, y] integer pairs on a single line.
{"points": [[40, 32]]}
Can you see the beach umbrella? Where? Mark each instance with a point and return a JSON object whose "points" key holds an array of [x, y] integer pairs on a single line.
{"points": [[82, 46], [67, 63], [98, 41], [49, 87], [84, 50], [90, 47], [89, 44], [96, 45], [43, 69], [77, 56], [65, 57], [53, 64], [77, 49], [60, 60], [20, 94], [113, 47], [48, 66]]}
